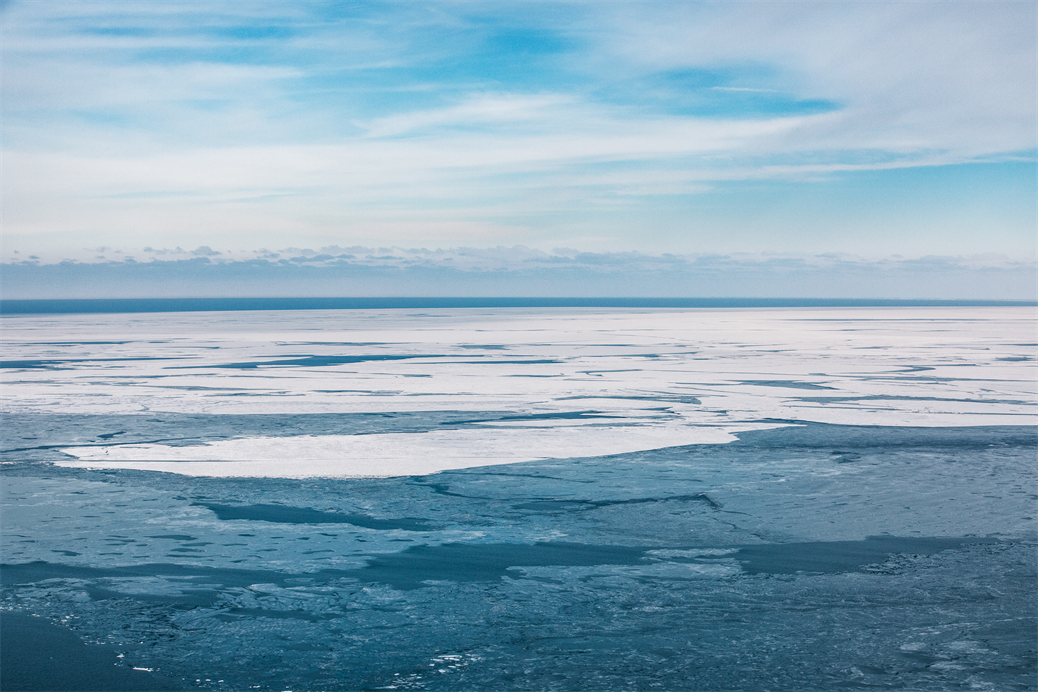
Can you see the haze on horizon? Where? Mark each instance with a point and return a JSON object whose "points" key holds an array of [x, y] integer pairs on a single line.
{"points": [[892, 141]]}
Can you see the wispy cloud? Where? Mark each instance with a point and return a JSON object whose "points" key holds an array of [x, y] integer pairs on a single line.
{"points": [[482, 111]]}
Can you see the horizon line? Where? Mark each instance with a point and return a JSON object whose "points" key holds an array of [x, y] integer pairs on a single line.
{"points": [[52, 306]]}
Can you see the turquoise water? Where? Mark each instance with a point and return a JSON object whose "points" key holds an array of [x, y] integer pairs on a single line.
{"points": [[815, 557]]}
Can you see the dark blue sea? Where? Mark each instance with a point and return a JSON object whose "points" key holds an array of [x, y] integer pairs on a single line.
{"points": [[120, 305]]}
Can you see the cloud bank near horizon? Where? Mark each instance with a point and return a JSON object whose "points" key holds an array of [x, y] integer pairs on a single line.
{"points": [[514, 271]]}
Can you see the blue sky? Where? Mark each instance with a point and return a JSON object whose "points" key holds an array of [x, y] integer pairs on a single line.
{"points": [[874, 131]]}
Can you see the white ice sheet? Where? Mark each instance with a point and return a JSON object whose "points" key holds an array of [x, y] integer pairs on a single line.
{"points": [[883, 366], [391, 454]]}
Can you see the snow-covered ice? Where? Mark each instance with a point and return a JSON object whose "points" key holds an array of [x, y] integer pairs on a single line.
{"points": [[650, 378]]}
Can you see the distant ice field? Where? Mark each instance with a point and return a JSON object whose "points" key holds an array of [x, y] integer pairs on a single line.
{"points": [[499, 386]]}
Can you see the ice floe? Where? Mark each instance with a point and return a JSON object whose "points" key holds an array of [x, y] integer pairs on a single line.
{"points": [[391, 454]]}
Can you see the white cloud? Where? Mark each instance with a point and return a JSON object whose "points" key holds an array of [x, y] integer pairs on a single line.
{"points": [[911, 76]]}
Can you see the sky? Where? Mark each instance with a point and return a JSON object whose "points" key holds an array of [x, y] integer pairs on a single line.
{"points": [[518, 139]]}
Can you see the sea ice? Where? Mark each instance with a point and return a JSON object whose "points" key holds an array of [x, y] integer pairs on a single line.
{"points": [[580, 514], [562, 383], [391, 454]]}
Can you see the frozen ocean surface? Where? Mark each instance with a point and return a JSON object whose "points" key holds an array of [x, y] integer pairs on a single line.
{"points": [[535, 499]]}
